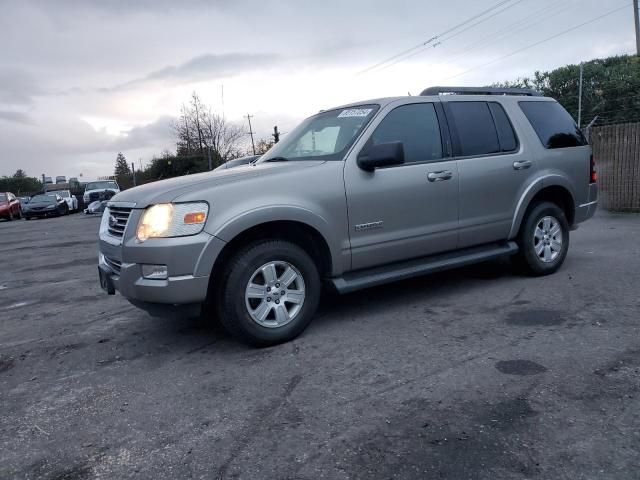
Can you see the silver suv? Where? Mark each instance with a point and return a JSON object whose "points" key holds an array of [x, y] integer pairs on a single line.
{"points": [[355, 196]]}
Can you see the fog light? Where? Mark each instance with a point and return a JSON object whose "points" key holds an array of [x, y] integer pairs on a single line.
{"points": [[154, 272]]}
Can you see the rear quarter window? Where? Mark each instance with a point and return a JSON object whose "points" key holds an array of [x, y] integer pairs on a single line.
{"points": [[553, 125]]}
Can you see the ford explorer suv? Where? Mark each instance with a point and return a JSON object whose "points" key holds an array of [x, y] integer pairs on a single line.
{"points": [[355, 196]]}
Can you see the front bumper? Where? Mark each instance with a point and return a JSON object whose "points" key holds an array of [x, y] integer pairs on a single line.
{"points": [[189, 262], [42, 213]]}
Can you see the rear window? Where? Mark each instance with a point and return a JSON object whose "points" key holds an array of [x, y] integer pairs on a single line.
{"points": [[553, 125], [477, 134]]}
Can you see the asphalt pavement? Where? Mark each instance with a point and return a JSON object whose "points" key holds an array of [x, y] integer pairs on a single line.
{"points": [[477, 373]]}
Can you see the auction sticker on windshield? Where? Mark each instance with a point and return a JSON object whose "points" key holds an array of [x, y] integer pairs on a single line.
{"points": [[355, 112]]}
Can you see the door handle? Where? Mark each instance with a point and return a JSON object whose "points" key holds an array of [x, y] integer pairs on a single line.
{"points": [[439, 176], [521, 165]]}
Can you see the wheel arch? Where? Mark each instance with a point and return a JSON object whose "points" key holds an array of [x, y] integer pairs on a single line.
{"points": [[300, 233], [552, 188]]}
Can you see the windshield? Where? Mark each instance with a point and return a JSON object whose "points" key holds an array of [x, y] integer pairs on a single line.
{"points": [[64, 193], [43, 199], [325, 136], [3, 197], [101, 185]]}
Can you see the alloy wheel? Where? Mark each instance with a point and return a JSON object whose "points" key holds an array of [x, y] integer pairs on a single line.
{"points": [[275, 294]]}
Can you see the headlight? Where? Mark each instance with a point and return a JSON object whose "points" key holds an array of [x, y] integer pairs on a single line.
{"points": [[172, 220]]}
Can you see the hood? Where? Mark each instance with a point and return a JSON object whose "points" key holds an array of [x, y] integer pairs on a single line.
{"points": [[168, 190]]}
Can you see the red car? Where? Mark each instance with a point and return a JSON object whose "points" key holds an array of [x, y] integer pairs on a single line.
{"points": [[9, 206]]}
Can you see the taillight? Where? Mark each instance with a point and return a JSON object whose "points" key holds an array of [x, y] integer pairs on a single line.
{"points": [[593, 175]]}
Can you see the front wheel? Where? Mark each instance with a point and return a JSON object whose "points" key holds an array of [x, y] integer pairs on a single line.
{"points": [[543, 239], [270, 293]]}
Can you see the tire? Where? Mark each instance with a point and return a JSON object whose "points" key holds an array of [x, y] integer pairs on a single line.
{"points": [[239, 307], [10, 215], [543, 239], [27, 217], [19, 217]]}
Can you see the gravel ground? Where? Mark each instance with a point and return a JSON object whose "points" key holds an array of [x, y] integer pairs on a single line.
{"points": [[476, 373]]}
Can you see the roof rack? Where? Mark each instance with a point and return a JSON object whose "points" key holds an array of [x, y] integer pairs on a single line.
{"points": [[480, 91]]}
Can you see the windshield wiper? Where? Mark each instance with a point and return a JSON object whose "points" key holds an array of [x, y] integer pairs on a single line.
{"points": [[277, 159]]}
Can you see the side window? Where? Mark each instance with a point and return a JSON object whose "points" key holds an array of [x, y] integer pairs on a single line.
{"points": [[553, 124], [416, 126], [506, 135], [477, 134]]}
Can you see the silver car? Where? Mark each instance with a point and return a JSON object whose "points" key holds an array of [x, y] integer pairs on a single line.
{"points": [[356, 196]]}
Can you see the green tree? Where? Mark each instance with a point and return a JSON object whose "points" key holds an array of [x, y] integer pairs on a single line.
{"points": [[610, 88], [20, 174], [122, 166]]}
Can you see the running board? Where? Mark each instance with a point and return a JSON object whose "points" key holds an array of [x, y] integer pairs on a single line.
{"points": [[371, 277]]}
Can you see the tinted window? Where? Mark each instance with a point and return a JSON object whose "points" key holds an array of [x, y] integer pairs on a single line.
{"points": [[553, 124], [416, 126], [506, 135], [477, 133]]}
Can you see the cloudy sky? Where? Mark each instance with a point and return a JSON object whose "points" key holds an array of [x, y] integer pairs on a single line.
{"points": [[81, 80]]}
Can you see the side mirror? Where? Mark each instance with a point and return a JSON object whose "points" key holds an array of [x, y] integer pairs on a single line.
{"points": [[381, 155]]}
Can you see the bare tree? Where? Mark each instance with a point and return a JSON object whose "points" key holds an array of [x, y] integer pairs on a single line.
{"points": [[222, 137], [199, 130]]}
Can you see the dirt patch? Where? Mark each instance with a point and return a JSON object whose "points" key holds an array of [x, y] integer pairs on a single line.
{"points": [[6, 363], [520, 367], [541, 317]]}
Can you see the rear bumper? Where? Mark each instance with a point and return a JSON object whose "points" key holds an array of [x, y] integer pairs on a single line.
{"points": [[588, 209]]}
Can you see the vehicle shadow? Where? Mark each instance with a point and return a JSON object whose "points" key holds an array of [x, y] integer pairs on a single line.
{"points": [[398, 294]]}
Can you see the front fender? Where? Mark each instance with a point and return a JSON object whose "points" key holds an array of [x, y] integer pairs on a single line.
{"points": [[273, 213]]}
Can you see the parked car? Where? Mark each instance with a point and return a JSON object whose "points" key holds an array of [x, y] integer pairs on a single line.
{"points": [[72, 201], [46, 205], [237, 162], [61, 179], [9, 206], [356, 196], [93, 190], [23, 201]]}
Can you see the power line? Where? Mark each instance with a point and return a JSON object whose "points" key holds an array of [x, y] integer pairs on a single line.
{"points": [[434, 45], [535, 44], [434, 38], [516, 27]]}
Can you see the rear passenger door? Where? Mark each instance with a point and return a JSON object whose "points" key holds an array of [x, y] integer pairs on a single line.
{"points": [[493, 167], [409, 210]]}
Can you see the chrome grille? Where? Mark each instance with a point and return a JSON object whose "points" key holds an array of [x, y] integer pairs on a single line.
{"points": [[121, 214], [113, 264]]}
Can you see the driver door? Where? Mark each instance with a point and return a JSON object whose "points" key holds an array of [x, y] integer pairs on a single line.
{"points": [[410, 210]]}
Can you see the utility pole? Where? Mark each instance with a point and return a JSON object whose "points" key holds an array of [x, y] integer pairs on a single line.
{"points": [[637, 21], [253, 145], [209, 156], [133, 173], [580, 97], [275, 134]]}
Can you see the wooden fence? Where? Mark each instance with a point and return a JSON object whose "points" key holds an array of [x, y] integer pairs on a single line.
{"points": [[616, 149]]}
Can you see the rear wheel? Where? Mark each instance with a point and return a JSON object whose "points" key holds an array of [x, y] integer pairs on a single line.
{"points": [[270, 293], [10, 215], [543, 239]]}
